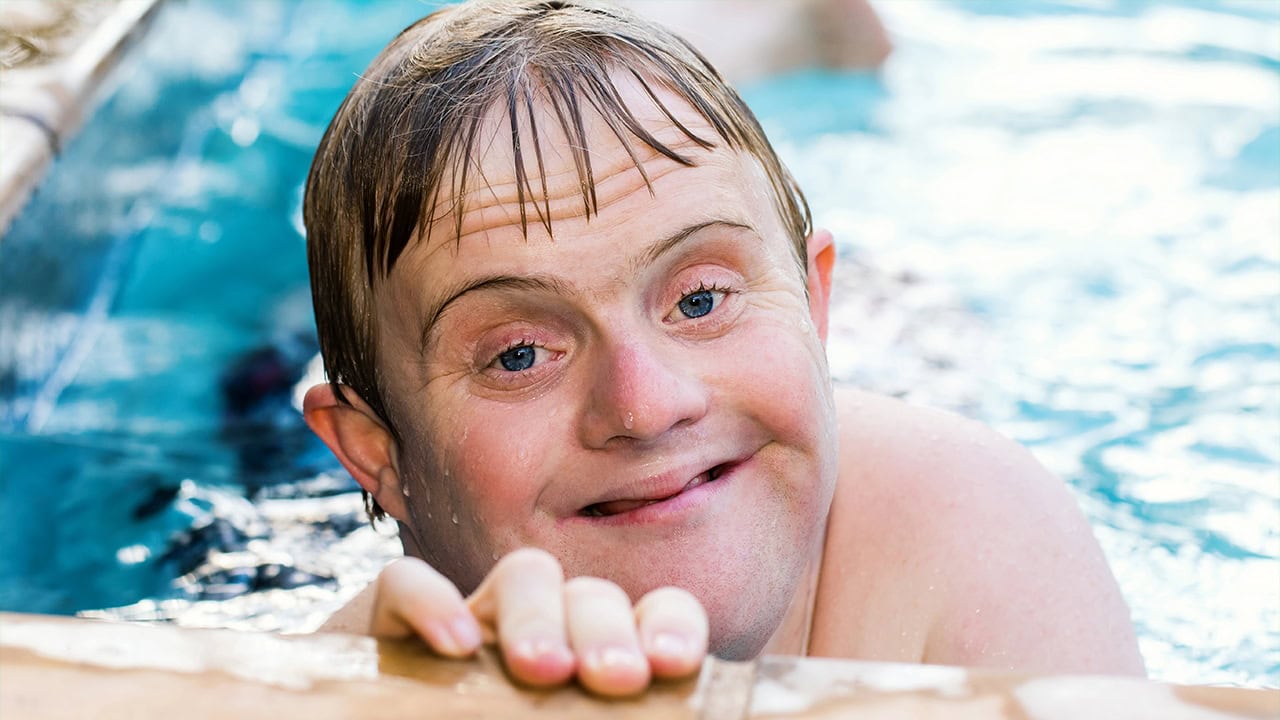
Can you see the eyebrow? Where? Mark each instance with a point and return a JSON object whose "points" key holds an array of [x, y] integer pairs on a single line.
{"points": [[544, 283], [669, 242], [495, 282]]}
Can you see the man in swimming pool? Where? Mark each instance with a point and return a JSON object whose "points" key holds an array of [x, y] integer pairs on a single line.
{"points": [[573, 313]]}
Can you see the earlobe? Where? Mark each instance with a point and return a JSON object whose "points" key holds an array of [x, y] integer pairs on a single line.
{"points": [[360, 441], [821, 249]]}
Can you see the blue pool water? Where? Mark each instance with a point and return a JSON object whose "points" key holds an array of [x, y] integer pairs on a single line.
{"points": [[1060, 217]]}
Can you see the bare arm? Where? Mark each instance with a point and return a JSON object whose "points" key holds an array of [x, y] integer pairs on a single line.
{"points": [[1030, 588], [752, 39], [355, 617]]}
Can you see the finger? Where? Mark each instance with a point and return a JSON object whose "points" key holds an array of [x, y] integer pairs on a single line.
{"points": [[673, 632], [602, 632], [522, 598], [412, 598]]}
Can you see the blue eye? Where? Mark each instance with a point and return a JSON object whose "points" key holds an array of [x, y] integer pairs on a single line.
{"points": [[518, 358], [697, 304]]}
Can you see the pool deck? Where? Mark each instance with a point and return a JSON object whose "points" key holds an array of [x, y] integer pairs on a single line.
{"points": [[55, 56], [52, 667]]}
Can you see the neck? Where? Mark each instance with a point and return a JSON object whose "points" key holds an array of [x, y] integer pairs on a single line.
{"points": [[792, 636]]}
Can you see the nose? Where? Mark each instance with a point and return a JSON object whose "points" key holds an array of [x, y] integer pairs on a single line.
{"points": [[640, 391]]}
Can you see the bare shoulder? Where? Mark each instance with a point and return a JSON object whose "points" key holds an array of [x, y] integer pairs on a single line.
{"points": [[977, 553], [938, 462]]}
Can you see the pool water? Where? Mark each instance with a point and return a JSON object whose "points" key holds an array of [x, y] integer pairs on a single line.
{"points": [[1061, 218]]}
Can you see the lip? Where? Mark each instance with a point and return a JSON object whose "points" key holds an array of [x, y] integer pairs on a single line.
{"points": [[664, 497]]}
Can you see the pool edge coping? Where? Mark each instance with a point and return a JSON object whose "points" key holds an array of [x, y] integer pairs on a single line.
{"points": [[43, 106], [155, 671]]}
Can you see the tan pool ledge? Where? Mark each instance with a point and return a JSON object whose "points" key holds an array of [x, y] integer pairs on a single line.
{"points": [[56, 55], [75, 668]]}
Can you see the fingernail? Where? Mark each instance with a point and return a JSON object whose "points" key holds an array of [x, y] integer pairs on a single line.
{"points": [[615, 657], [534, 649], [442, 638], [465, 632], [669, 645]]}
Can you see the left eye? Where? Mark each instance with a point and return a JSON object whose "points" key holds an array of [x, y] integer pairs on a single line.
{"points": [[518, 358], [699, 303]]}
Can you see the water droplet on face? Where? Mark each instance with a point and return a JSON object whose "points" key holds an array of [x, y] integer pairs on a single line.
{"points": [[629, 421], [495, 557], [454, 518]]}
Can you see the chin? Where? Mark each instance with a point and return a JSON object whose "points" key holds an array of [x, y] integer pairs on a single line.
{"points": [[743, 622], [739, 648]]}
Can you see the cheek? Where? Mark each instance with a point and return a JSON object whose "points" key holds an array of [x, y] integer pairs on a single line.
{"points": [[475, 486], [778, 358], [496, 457], [777, 373]]}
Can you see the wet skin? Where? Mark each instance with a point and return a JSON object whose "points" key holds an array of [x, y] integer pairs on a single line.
{"points": [[642, 393], [640, 403]]}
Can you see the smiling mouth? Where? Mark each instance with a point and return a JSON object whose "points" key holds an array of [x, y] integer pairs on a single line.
{"points": [[617, 507]]}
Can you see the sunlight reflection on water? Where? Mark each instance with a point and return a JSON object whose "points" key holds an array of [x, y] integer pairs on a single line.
{"points": [[1059, 217], [1100, 189]]}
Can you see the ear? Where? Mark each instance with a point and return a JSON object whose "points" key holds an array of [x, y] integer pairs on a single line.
{"points": [[821, 263], [361, 442]]}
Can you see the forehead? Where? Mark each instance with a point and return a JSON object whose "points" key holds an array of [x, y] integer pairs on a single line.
{"points": [[551, 169], [525, 212]]}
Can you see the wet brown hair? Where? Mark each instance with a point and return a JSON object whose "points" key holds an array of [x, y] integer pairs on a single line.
{"points": [[395, 159]]}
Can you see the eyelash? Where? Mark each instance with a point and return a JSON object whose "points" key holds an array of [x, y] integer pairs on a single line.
{"points": [[702, 286], [523, 342]]}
